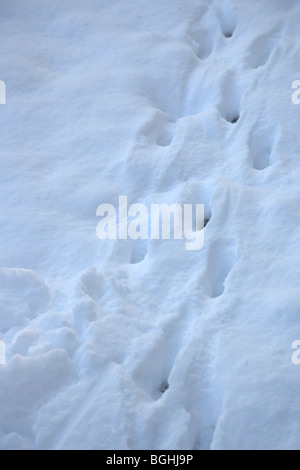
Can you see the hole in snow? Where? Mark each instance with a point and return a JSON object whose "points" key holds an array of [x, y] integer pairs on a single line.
{"points": [[202, 43], [205, 222], [207, 215], [220, 263], [227, 19], [163, 386], [262, 142], [164, 140], [231, 99], [139, 252], [234, 120], [165, 134], [260, 51]]}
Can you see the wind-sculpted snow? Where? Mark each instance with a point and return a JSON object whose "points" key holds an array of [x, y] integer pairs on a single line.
{"points": [[142, 344]]}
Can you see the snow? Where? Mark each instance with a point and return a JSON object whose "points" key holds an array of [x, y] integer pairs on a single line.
{"points": [[141, 344]]}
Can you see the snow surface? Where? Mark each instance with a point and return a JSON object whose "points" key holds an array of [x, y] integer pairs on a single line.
{"points": [[142, 344]]}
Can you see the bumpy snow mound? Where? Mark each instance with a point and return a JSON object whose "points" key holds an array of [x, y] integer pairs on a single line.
{"points": [[124, 344]]}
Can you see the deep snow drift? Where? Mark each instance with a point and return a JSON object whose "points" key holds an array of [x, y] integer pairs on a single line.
{"points": [[124, 344]]}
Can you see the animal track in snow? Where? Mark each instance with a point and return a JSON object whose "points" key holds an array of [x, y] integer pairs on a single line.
{"points": [[153, 373], [260, 51], [158, 131], [230, 104], [203, 43], [164, 386], [220, 262], [261, 143], [155, 365], [200, 193], [139, 251], [206, 220], [165, 135], [227, 19]]}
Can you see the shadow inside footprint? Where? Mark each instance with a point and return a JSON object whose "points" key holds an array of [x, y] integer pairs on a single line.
{"points": [[234, 120], [158, 130], [164, 386], [261, 143], [165, 135], [139, 251], [231, 99], [260, 51], [206, 221], [203, 43], [220, 263], [227, 19]]}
